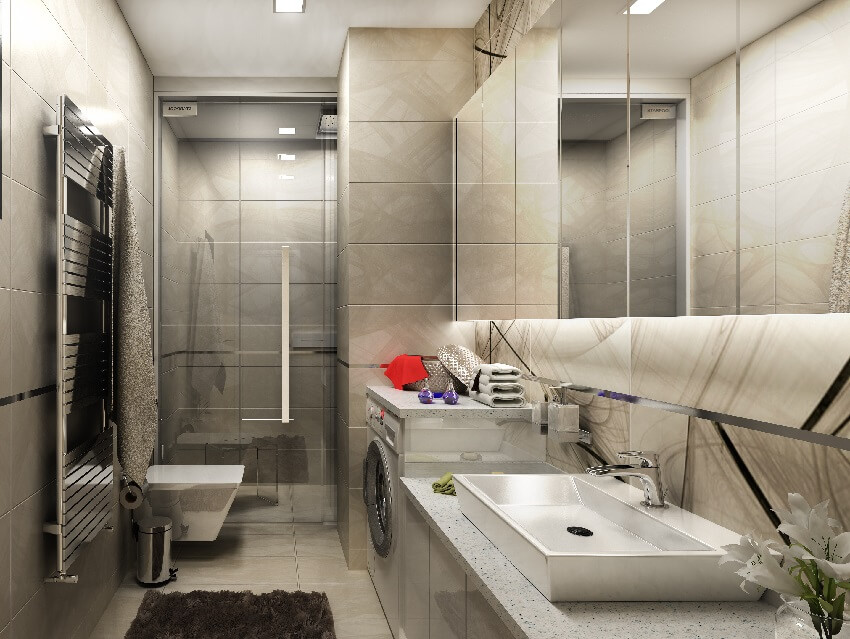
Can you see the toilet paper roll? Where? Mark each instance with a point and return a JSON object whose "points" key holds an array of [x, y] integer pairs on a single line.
{"points": [[131, 496]]}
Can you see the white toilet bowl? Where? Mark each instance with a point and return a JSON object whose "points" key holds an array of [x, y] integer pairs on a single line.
{"points": [[196, 498]]}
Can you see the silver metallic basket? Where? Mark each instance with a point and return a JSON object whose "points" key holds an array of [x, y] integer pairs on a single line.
{"points": [[438, 376]]}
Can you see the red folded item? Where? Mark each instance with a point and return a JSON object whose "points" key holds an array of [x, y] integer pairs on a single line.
{"points": [[405, 369]]}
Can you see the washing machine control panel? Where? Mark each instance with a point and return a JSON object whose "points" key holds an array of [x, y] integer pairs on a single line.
{"points": [[387, 425]]}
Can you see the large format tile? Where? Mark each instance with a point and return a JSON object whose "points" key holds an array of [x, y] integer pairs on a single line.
{"points": [[804, 270], [813, 140], [48, 63], [33, 463], [208, 170], [409, 44], [400, 213], [401, 152], [537, 274], [486, 274], [31, 546], [5, 569], [245, 570], [379, 333], [809, 206], [33, 341], [34, 153], [420, 91], [281, 221], [261, 170], [399, 274], [33, 241]]}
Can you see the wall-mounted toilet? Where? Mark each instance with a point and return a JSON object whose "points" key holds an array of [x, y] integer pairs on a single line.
{"points": [[196, 498]]}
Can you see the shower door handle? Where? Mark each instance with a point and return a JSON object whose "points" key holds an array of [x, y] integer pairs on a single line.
{"points": [[284, 335]]}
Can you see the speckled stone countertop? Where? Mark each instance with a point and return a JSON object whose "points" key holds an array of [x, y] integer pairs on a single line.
{"points": [[406, 404], [529, 615]]}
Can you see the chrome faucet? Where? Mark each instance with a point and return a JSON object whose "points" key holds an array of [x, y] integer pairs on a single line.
{"points": [[648, 471]]}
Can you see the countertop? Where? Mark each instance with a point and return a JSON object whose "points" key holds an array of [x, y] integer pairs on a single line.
{"points": [[405, 404], [529, 615]]}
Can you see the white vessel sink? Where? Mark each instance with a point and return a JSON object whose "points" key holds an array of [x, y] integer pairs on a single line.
{"points": [[634, 554]]}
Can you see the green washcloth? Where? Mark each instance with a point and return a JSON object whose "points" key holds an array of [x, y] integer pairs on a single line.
{"points": [[445, 485]]}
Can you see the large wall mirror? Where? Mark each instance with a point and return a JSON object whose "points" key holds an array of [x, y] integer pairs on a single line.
{"points": [[689, 160]]}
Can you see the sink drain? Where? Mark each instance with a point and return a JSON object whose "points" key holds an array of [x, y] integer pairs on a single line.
{"points": [[580, 531]]}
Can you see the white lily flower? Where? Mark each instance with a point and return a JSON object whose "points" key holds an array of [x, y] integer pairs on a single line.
{"points": [[809, 526], [837, 562], [754, 560]]}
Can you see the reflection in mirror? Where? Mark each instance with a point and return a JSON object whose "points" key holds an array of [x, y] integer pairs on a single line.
{"points": [[594, 180], [794, 157], [729, 196]]}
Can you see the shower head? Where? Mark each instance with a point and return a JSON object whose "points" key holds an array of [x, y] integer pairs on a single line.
{"points": [[327, 122]]}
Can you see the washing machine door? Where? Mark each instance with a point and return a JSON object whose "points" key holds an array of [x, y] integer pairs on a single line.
{"points": [[378, 496]]}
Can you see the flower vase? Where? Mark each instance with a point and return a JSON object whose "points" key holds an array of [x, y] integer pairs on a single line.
{"points": [[794, 620]]}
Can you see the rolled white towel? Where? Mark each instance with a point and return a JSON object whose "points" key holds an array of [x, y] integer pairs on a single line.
{"points": [[486, 379], [502, 390], [500, 372], [497, 401]]}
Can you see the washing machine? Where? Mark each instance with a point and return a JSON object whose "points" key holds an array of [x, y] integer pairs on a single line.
{"points": [[383, 499]]}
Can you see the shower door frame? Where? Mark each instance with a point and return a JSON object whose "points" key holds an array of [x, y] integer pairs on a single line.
{"points": [[160, 97]]}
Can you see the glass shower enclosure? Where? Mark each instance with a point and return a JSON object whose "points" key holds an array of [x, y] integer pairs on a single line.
{"points": [[241, 179]]}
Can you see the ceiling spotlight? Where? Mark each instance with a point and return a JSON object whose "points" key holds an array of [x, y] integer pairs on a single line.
{"points": [[643, 7], [285, 157], [286, 130], [285, 177], [289, 6]]}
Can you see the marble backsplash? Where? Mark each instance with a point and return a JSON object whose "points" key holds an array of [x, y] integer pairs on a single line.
{"points": [[758, 367]]}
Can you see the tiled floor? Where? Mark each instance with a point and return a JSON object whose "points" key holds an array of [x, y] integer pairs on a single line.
{"points": [[262, 557]]}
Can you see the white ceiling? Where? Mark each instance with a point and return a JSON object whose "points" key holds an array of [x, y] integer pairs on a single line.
{"points": [[244, 38], [679, 39]]}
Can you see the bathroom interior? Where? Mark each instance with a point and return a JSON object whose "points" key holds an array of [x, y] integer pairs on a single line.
{"points": [[511, 319]]}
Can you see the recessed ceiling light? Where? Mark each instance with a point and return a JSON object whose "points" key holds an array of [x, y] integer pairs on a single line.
{"points": [[285, 157], [286, 130], [285, 177], [643, 7], [289, 6]]}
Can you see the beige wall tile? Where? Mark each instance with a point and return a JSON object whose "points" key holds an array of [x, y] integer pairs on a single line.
{"points": [[713, 120], [537, 274], [208, 170], [758, 215], [758, 276], [400, 213], [713, 280], [260, 171], [281, 221], [537, 213], [808, 206], [812, 140], [486, 213], [420, 91], [466, 312], [401, 152], [409, 44], [486, 274], [399, 274], [804, 270], [713, 173], [379, 333]]}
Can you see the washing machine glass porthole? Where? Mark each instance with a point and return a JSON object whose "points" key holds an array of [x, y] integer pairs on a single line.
{"points": [[378, 497]]}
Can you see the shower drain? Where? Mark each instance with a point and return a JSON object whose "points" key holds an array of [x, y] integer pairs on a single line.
{"points": [[579, 531]]}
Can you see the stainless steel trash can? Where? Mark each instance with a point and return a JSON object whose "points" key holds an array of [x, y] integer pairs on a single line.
{"points": [[153, 551]]}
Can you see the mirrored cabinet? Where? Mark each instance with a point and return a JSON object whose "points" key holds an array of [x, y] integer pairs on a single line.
{"points": [[684, 158]]}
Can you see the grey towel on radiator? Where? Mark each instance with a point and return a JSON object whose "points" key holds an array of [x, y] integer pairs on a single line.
{"points": [[134, 379]]}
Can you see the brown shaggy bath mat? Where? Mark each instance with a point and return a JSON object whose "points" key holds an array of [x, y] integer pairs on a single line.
{"points": [[227, 614]]}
